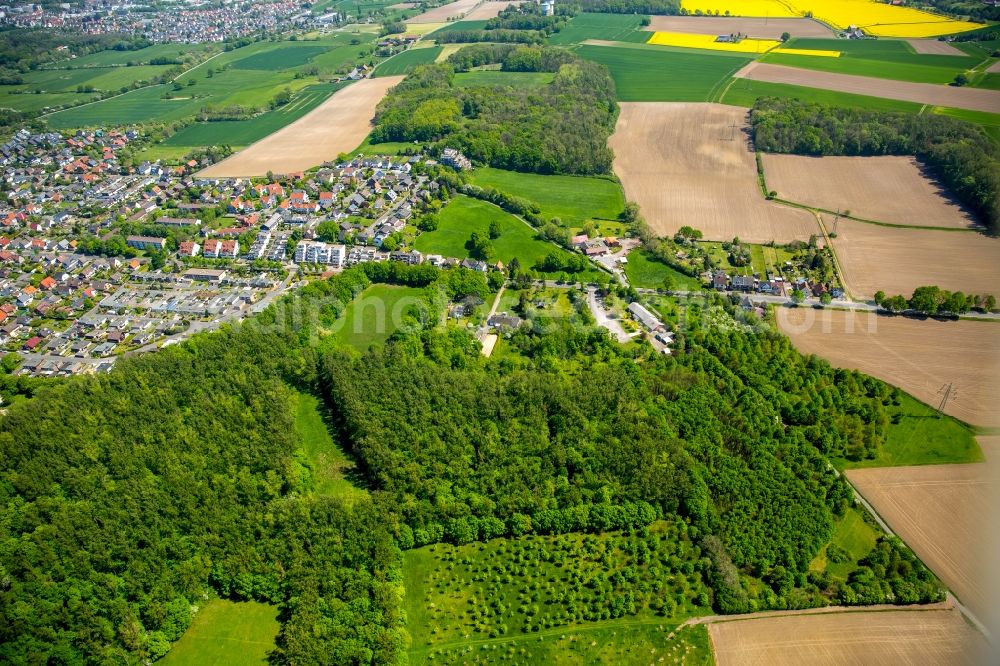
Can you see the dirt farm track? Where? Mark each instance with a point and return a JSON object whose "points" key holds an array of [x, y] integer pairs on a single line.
{"points": [[337, 125], [690, 164], [875, 638], [976, 99], [884, 189]]}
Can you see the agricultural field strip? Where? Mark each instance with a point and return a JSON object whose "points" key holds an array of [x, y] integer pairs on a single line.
{"points": [[689, 164], [925, 93], [933, 47], [759, 28], [445, 12], [309, 140]]}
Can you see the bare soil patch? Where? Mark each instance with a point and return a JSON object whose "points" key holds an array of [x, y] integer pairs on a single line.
{"points": [[942, 512], [897, 260], [337, 125], [977, 99], [758, 28], [934, 47], [886, 637], [919, 356], [440, 14], [885, 189], [994, 68], [691, 164], [489, 9]]}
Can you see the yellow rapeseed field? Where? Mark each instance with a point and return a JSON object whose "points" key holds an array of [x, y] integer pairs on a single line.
{"points": [[822, 53], [875, 18], [708, 42]]}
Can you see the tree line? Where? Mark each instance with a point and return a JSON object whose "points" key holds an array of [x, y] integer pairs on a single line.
{"points": [[932, 300]]}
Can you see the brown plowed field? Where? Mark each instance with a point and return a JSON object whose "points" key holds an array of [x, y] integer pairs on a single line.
{"points": [[934, 47], [445, 12], [337, 125], [871, 638], [885, 189], [690, 164], [898, 260], [977, 99], [944, 513], [758, 28], [917, 356], [488, 10]]}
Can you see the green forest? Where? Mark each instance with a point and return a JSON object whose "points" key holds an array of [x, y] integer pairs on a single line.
{"points": [[559, 128], [180, 476], [959, 153]]}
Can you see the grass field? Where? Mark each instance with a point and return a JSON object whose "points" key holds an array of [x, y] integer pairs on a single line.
{"points": [[112, 58], [331, 468], [897, 66], [543, 589], [376, 314], [744, 92], [498, 78], [646, 272], [573, 199], [239, 133], [649, 74], [407, 60], [463, 215], [851, 535], [225, 632], [250, 76], [612, 27], [990, 122]]}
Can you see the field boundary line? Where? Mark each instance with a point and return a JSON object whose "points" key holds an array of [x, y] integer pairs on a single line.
{"points": [[877, 223]]}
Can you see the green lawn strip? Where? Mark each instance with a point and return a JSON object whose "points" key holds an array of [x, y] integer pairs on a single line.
{"points": [[464, 215], [405, 61], [989, 80], [646, 272], [227, 632], [990, 122], [922, 437], [885, 50], [650, 75], [374, 315], [460, 26], [487, 77], [898, 71], [331, 467], [744, 92], [573, 199]]}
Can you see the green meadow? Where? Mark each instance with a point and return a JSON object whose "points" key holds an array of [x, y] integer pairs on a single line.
{"points": [[402, 63], [375, 314], [919, 69], [852, 535], [650, 74], [573, 199], [250, 76], [490, 77], [331, 468], [464, 215], [227, 632], [744, 92], [610, 27], [644, 271]]}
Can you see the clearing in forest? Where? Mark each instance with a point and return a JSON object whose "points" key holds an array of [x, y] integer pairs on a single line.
{"points": [[898, 260], [758, 28], [690, 164], [976, 99], [885, 189], [331, 468], [337, 125], [918, 356], [884, 637], [944, 513], [227, 632]]}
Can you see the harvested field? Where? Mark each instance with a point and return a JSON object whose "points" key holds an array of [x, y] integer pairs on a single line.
{"points": [[924, 93], [897, 261], [689, 164], [934, 47], [918, 356], [884, 189], [337, 125], [942, 512], [445, 12], [758, 28], [994, 68], [488, 10], [886, 637]]}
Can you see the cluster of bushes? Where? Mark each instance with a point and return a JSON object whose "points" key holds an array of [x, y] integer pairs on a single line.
{"points": [[958, 152], [508, 36], [932, 300], [559, 128], [529, 17]]}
